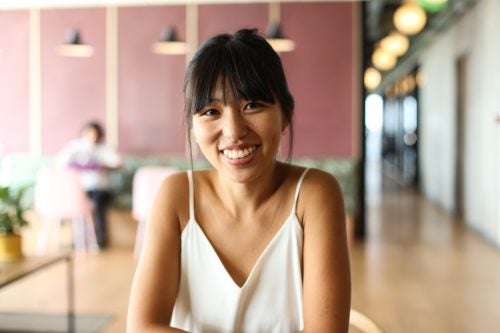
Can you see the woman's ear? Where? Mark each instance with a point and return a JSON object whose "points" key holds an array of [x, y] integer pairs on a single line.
{"points": [[284, 127]]}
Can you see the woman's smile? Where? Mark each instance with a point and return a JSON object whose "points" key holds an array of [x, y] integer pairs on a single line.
{"points": [[240, 156], [234, 153]]}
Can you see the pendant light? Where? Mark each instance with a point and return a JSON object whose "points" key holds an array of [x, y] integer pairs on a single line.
{"points": [[74, 47], [410, 18], [274, 34], [277, 41], [395, 43], [383, 60], [169, 44], [372, 78]]}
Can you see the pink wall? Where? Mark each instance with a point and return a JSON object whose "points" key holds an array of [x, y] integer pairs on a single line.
{"points": [[320, 76], [150, 85], [73, 89], [216, 19], [14, 81], [321, 71]]}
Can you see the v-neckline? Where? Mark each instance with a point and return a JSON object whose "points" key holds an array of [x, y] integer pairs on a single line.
{"points": [[291, 216]]}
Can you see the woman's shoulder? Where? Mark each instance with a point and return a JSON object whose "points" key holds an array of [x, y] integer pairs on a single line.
{"points": [[178, 182], [320, 190], [314, 178], [173, 194], [176, 187], [175, 184]]}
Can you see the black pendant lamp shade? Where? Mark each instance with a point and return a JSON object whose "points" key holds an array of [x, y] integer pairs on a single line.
{"points": [[73, 45], [169, 44], [277, 40]]}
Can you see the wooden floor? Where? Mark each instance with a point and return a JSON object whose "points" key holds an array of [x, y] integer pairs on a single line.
{"points": [[422, 270], [102, 279], [418, 270]]}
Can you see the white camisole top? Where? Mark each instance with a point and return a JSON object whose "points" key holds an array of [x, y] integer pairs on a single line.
{"points": [[270, 300]]}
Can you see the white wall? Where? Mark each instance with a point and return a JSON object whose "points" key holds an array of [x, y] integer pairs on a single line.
{"points": [[437, 131], [476, 37]]}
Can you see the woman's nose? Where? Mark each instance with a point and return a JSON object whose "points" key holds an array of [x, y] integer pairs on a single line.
{"points": [[235, 126]]}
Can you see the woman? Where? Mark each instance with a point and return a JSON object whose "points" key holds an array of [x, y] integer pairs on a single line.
{"points": [[253, 244]]}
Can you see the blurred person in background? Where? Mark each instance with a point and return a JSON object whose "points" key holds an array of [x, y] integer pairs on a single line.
{"points": [[93, 159]]}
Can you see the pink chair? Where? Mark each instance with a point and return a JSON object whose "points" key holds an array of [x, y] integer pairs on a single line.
{"points": [[146, 182], [58, 195]]}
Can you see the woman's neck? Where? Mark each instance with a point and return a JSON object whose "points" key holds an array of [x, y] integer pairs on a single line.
{"points": [[242, 199]]}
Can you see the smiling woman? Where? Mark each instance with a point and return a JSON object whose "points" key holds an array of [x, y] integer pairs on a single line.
{"points": [[252, 244], [239, 135]]}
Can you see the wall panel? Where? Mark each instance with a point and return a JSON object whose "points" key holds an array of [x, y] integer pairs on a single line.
{"points": [[14, 81], [150, 97], [216, 19], [321, 71], [73, 89]]}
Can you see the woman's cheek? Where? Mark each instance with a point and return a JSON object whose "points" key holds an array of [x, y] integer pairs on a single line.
{"points": [[203, 132]]}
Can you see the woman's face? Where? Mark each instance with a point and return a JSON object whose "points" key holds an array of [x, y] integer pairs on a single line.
{"points": [[240, 138]]}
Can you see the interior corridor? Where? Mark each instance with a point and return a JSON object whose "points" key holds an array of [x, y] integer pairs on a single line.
{"points": [[420, 269]]}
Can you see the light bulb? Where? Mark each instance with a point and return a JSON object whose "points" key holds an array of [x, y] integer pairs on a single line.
{"points": [[372, 78], [410, 19], [383, 60], [395, 43]]}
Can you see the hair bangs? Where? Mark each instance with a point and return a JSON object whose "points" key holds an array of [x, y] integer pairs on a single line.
{"points": [[246, 76], [230, 67]]}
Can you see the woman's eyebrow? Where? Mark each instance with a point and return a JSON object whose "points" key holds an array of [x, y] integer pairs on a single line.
{"points": [[213, 100]]}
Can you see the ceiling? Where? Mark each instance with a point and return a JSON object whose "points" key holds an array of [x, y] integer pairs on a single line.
{"points": [[378, 22]]}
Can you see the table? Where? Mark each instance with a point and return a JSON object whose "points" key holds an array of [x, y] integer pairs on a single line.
{"points": [[13, 271]]}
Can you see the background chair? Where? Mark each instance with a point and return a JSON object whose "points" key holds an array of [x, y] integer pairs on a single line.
{"points": [[146, 182], [58, 195], [359, 322]]}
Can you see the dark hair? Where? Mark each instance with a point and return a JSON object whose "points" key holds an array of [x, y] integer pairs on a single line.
{"points": [[97, 128], [247, 63]]}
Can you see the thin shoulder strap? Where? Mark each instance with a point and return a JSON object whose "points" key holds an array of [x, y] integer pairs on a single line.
{"points": [[191, 194], [297, 189]]}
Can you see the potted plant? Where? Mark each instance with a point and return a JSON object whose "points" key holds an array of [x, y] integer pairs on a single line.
{"points": [[12, 220]]}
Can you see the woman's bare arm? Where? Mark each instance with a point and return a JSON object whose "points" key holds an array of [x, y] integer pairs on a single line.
{"points": [[327, 283], [156, 280]]}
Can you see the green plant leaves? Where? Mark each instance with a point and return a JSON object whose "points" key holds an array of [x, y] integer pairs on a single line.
{"points": [[12, 210]]}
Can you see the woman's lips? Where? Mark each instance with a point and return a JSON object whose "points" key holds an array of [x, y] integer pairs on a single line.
{"points": [[238, 153], [240, 156]]}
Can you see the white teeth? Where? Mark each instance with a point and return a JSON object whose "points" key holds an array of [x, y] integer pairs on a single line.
{"points": [[238, 153]]}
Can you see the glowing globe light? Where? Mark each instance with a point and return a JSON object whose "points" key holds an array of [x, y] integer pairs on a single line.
{"points": [[410, 18], [372, 78], [383, 60], [395, 43]]}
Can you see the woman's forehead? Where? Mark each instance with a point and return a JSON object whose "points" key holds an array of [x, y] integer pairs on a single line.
{"points": [[223, 91]]}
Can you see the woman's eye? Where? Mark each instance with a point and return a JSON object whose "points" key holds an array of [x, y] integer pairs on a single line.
{"points": [[252, 106], [209, 112]]}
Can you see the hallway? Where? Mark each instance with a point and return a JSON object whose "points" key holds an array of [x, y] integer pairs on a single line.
{"points": [[420, 269]]}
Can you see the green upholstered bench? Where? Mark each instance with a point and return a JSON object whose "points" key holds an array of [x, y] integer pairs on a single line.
{"points": [[344, 169], [20, 170]]}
